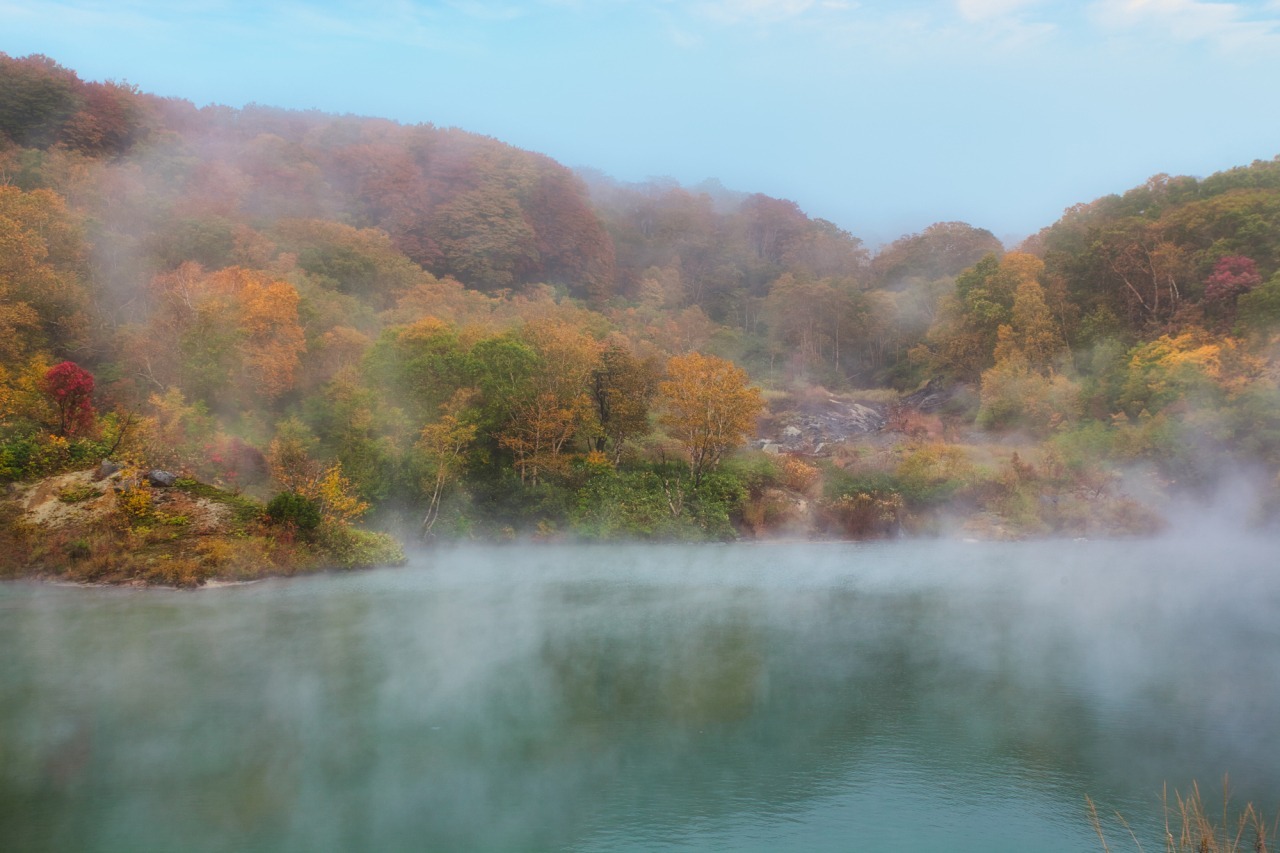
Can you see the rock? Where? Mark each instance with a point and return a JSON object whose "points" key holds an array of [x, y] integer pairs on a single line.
{"points": [[813, 426], [163, 479], [106, 469], [932, 396]]}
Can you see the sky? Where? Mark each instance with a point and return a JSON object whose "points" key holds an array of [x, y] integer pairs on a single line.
{"points": [[882, 117]]}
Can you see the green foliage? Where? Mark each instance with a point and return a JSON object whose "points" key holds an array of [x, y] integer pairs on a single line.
{"points": [[1016, 396], [294, 510], [344, 547], [659, 502], [37, 98], [625, 505], [244, 510], [208, 241], [79, 492], [1170, 369], [1258, 311], [34, 454], [930, 474]]}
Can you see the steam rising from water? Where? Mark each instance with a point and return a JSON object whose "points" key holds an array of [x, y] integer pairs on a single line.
{"points": [[897, 696]]}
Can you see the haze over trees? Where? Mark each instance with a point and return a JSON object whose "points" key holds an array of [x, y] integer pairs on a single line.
{"points": [[466, 338]]}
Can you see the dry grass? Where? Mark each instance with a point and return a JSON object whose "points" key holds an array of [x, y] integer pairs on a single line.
{"points": [[1191, 828]]}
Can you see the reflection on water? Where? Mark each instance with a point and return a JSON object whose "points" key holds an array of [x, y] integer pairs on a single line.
{"points": [[906, 696]]}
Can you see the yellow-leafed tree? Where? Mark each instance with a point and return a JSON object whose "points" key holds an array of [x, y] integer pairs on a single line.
{"points": [[709, 407]]}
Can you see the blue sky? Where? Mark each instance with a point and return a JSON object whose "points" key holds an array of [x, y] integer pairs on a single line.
{"points": [[882, 117]]}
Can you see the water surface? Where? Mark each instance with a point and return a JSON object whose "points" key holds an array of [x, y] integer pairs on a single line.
{"points": [[898, 696]]}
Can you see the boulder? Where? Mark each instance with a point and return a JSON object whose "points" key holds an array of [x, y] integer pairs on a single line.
{"points": [[106, 469], [163, 479]]}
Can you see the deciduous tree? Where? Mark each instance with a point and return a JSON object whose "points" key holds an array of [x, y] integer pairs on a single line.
{"points": [[70, 388], [709, 407], [445, 444]]}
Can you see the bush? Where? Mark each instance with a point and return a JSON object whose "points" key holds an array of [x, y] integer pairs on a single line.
{"points": [[865, 514], [659, 502], [345, 547], [294, 510]]}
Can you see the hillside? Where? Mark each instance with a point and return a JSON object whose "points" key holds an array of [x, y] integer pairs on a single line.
{"points": [[467, 339]]}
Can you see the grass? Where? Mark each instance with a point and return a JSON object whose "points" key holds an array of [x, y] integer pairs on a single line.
{"points": [[1189, 827]]}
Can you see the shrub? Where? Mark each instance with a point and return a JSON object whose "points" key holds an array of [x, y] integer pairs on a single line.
{"points": [[348, 548], [866, 514], [78, 492], [135, 505], [294, 510], [797, 475]]}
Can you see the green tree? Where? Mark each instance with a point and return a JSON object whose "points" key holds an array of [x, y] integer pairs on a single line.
{"points": [[622, 390]]}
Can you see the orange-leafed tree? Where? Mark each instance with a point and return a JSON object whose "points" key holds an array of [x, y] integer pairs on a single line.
{"points": [[709, 407], [539, 430], [42, 298], [235, 327], [274, 341], [554, 405]]}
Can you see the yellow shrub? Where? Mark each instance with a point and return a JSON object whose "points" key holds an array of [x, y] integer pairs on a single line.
{"points": [[797, 475]]}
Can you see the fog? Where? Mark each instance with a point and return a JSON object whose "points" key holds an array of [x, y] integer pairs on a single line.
{"points": [[907, 695]]}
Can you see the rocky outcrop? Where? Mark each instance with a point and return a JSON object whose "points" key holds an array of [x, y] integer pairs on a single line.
{"points": [[932, 397], [813, 427]]}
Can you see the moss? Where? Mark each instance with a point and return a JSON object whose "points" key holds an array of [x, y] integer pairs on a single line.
{"points": [[243, 510], [78, 493]]}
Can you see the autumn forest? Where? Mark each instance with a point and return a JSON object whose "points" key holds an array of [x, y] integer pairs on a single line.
{"points": [[301, 340]]}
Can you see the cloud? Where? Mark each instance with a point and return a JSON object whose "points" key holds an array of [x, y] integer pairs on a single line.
{"points": [[754, 11], [768, 11], [486, 10], [1227, 25], [982, 10]]}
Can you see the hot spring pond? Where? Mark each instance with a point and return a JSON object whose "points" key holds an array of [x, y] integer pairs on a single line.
{"points": [[826, 697]]}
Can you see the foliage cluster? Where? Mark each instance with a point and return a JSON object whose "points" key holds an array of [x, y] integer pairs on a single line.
{"points": [[424, 326]]}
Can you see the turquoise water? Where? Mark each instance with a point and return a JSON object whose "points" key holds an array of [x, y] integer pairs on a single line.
{"points": [[898, 696]]}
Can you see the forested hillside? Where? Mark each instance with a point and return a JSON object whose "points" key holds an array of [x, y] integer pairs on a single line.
{"points": [[343, 314]]}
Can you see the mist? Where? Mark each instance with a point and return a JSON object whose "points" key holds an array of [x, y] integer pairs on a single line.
{"points": [[615, 698]]}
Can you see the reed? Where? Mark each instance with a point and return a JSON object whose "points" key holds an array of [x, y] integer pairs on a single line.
{"points": [[1191, 827]]}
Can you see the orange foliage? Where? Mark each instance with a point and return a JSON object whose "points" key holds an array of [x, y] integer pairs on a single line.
{"points": [[710, 407]]}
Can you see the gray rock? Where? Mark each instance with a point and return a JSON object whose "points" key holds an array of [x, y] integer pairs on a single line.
{"points": [[163, 479], [106, 469]]}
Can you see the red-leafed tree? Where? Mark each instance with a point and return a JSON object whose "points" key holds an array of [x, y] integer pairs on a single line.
{"points": [[1231, 276], [70, 388]]}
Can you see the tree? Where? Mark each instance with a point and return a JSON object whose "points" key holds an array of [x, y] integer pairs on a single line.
{"points": [[70, 388], [291, 465], [41, 260], [941, 250], [538, 431], [37, 96], [1231, 276], [445, 444], [1032, 331], [709, 408], [622, 388], [235, 326], [484, 239], [1260, 307]]}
